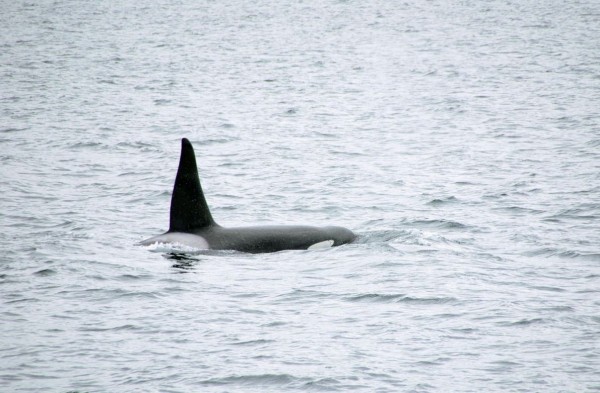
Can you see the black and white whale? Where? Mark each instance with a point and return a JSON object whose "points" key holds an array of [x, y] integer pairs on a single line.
{"points": [[192, 224]]}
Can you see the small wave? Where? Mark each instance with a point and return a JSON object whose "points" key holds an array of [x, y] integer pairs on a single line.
{"points": [[140, 294], [304, 293], [503, 365], [398, 298], [465, 183], [585, 211], [382, 236], [13, 129], [558, 217], [252, 343], [524, 322], [252, 311], [443, 201], [137, 145], [444, 224], [279, 381], [274, 324], [593, 143], [587, 256], [550, 289], [80, 145], [518, 210], [30, 299], [115, 293], [212, 141], [107, 329], [434, 362], [45, 272], [567, 254], [261, 380], [465, 330], [559, 308], [132, 277], [324, 384], [38, 376], [161, 101]]}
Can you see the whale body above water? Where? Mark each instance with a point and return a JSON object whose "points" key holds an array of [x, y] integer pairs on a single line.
{"points": [[191, 223]]}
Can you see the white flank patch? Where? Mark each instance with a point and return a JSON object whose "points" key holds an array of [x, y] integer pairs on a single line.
{"points": [[321, 245]]}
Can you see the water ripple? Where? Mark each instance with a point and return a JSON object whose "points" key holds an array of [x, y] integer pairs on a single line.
{"points": [[398, 298]]}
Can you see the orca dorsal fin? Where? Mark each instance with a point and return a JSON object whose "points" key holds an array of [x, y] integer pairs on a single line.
{"points": [[189, 209]]}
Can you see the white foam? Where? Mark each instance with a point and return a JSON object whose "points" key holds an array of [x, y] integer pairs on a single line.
{"points": [[176, 240]]}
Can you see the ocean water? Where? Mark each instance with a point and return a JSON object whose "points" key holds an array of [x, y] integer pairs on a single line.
{"points": [[459, 140]]}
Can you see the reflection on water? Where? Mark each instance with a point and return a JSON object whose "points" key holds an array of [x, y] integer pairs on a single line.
{"points": [[183, 262]]}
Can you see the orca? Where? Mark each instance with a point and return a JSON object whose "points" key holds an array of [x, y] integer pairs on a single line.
{"points": [[191, 223]]}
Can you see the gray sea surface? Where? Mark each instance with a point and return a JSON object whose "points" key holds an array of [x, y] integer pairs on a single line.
{"points": [[459, 140]]}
